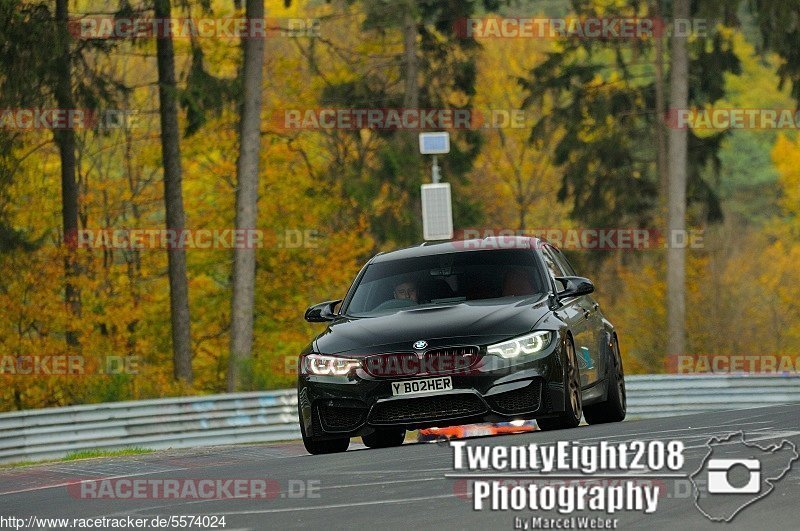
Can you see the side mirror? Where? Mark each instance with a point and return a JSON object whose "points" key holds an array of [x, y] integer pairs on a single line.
{"points": [[322, 312], [575, 286]]}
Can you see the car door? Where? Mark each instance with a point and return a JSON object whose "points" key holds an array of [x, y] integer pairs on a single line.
{"points": [[573, 313]]}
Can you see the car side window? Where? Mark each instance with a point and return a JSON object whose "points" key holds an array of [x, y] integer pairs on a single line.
{"points": [[562, 261], [552, 267]]}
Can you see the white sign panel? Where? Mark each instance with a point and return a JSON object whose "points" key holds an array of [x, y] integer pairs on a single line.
{"points": [[434, 143], [437, 212]]}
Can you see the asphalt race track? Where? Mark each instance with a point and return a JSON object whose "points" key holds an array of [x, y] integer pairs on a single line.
{"points": [[397, 488]]}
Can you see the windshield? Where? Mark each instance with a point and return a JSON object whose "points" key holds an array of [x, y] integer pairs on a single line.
{"points": [[388, 287]]}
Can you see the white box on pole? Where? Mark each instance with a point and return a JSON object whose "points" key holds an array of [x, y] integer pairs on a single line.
{"points": [[437, 212], [434, 143]]}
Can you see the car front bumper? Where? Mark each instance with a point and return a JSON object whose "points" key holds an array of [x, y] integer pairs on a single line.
{"points": [[494, 390]]}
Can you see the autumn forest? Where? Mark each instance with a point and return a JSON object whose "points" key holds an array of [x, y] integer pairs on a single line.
{"points": [[277, 202]]}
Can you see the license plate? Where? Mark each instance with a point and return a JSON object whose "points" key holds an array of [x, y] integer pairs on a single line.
{"points": [[419, 387]]}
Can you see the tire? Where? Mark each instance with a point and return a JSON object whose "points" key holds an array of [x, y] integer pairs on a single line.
{"points": [[384, 438], [614, 407], [573, 408], [321, 446]]}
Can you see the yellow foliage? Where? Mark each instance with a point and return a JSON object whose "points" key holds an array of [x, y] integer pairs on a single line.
{"points": [[515, 181], [741, 295]]}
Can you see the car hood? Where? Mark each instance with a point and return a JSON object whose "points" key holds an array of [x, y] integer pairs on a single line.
{"points": [[466, 323]]}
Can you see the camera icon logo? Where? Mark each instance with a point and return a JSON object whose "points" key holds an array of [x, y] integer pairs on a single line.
{"points": [[718, 482], [736, 473]]}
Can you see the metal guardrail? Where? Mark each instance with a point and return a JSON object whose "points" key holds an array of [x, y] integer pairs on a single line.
{"points": [[157, 424], [665, 395], [272, 416]]}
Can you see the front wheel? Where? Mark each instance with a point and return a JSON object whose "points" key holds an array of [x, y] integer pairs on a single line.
{"points": [[321, 446], [573, 409], [614, 407]]}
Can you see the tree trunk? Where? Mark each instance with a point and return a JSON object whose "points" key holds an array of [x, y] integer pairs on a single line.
{"points": [[410, 62], [410, 138], [676, 254], [244, 260], [65, 139], [133, 258], [661, 135], [173, 200]]}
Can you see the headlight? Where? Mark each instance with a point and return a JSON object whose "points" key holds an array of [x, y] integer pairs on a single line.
{"points": [[322, 365], [528, 344]]}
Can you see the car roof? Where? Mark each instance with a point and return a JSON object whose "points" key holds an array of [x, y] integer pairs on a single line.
{"points": [[460, 246]]}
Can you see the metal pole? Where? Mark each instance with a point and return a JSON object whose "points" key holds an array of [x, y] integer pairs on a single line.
{"points": [[435, 170]]}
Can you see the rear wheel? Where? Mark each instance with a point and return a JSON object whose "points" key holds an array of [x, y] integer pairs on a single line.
{"points": [[614, 407], [384, 438], [573, 409], [321, 446]]}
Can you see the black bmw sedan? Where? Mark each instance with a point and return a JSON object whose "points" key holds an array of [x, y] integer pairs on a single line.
{"points": [[453, 333]]}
